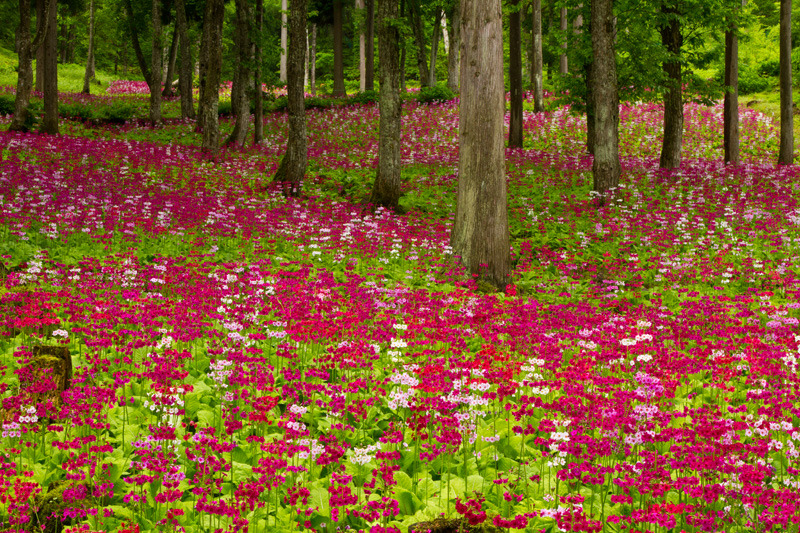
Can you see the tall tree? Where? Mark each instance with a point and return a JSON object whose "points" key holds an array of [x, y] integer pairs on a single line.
{"points": [[133, 30], [185, 75], [386, 189], [50, 117], [26, 49], [515, 74], [258, 111], [88, 75], [730, 113], [169, 77], [209, 82], [786, 153], [563, 63], [418, 27], [284, 15], [453, 57], [480, 236], [295, 161], [312, 59], [437, 32], [362, 50], [537, 62], [242, 78], [156, 67], [606, 167], [369, 50], [338, 49], [672, 40]]}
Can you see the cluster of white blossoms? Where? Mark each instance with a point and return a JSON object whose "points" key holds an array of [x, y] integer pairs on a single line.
{"points": [[30, 416], [11, 430], [362, 456], [220, 373], [315, 449], [167, 404]]}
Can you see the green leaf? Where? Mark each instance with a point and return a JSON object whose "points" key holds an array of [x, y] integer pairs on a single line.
{"points": [[408, 502], [208, 418], [403, 480], [474, 484]]}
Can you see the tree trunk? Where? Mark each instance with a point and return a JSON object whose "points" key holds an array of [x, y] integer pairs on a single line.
{"points": [[453, 57], [386, 189], [480, 236], [137, 48], [212, 36], [258, 91], [312, 61], [88, 76], [362, 51], [295, 161], [786, 153], [156, 67], [591, 135], [26, 49], [437, 31], [537, 62], [672, 40], [284, 15], [415, 18], [50, 45], [606, 166], [730, 113], [563, 63], [370, 48], [173, 57], [185, 75], [39, 52], [515, 74], [338, 50], [242, 102]]}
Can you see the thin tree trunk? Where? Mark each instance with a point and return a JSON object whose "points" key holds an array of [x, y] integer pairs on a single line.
{"points": [[50, 45], [88, 75], [730, 113], [156, 67], [786, 153], [453, 57], [370, 48], [386, 189], [415, 18], [563, 63], [258, 118], [437, 31], [338, 50], [606, 166], [588, 72], [284, 15], [515, 74], [312, 66], [26, 49], [672, 40], [480, 236], [242, 102], [295, 161], [39, 52], [169, 79], [362, 52], [537, 62], [137, 48], [212, 35], [185, 75]]}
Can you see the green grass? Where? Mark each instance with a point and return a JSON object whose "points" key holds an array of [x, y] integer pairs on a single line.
{"points": [[70, 76], [769, 103]]}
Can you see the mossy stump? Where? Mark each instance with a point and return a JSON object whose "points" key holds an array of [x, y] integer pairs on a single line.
{"points": [[451, 525], [43, 379]]}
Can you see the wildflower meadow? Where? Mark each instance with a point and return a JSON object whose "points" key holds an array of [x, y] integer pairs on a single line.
{"points": [[243, 361]]}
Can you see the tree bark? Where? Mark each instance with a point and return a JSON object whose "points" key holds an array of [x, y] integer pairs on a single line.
{"points": [[312, 60], [242, 101], [415, 18], [26, 49], [362, 51], [88, 75], [212, 37], [39, 52], [563, 63], [786, 153], [672, 40], [606, 166], [284, 15], [730, 113], [480, 236], [537, 61], [156, 67], [386, 189], [137, 48], [338, 50], [437, 31], [453, 57], [295, 161], [515, 74], [50, 45], [369, 51], [169, 78], [258, 91], [185, 75]]}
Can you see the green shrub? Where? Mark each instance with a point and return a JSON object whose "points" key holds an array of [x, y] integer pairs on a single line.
{"points": [[319, 102], [6, 104], [117, 113], [225, 108], [76, 111], [366, 97], [279, 104], [439, 93], [751, 82], [770, 68]]}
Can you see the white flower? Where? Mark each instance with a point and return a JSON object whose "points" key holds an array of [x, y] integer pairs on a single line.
{"points": [[60, 333]]}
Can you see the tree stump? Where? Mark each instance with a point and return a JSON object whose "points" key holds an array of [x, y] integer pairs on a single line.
{"points": [[42, 380]]}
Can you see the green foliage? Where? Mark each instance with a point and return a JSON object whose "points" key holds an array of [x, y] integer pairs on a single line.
{"points": [[750, 81], [366, 97], [769, 68], [76, 111], [6, 104], [225, 108], [117, 113], [440, 93]]}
